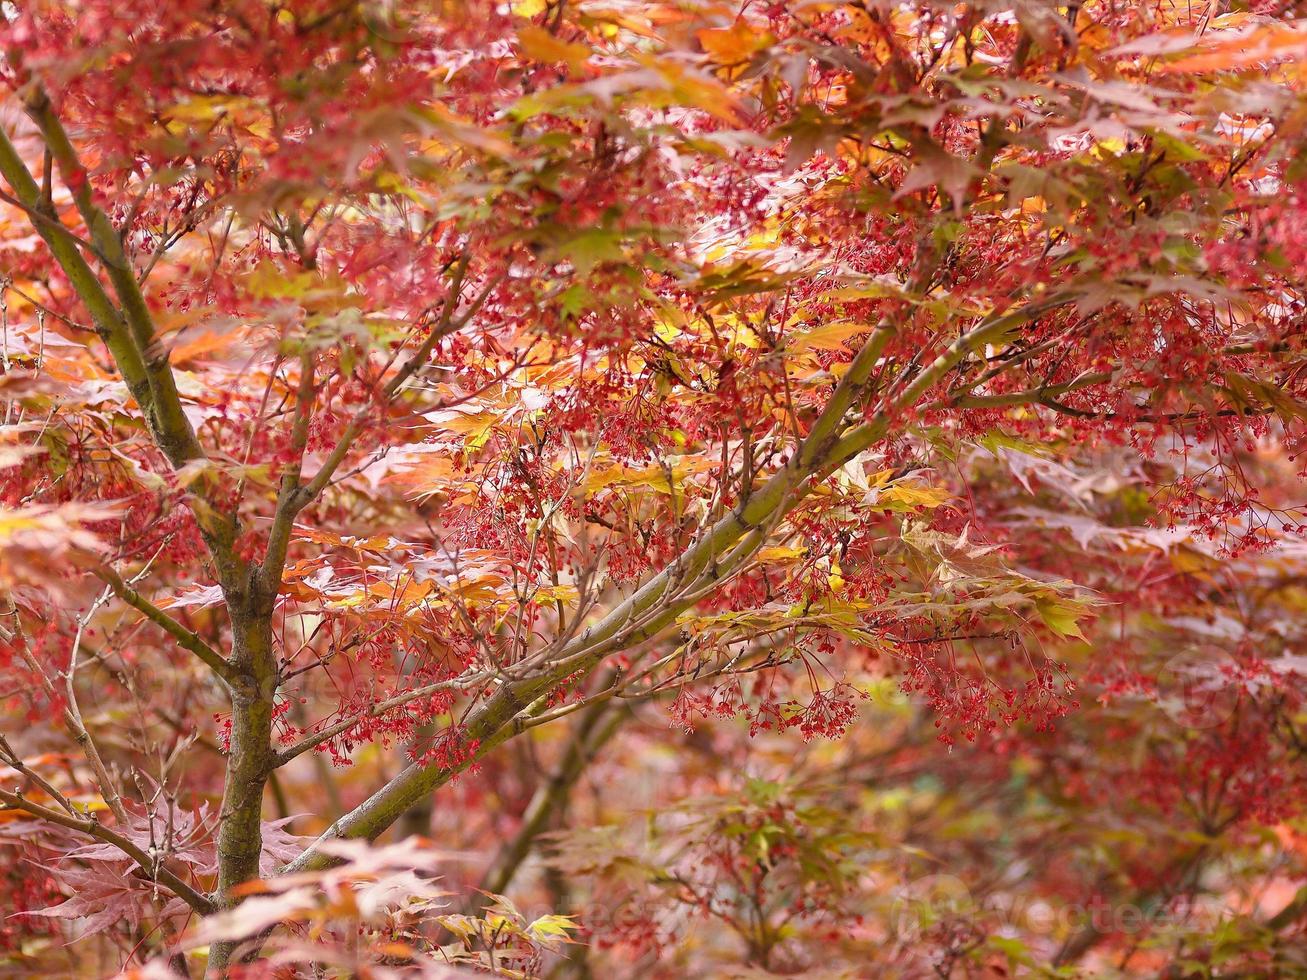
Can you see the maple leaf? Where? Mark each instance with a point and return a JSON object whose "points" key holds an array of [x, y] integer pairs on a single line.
{"points": [[1258, 45], [934, 166]]}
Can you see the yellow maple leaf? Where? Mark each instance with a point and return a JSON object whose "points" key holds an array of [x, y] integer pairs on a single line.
{"points": [[539, 44], [913, 495], [733, 45], [829, 336]]}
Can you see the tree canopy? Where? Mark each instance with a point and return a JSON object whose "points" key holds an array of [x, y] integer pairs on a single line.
{"points": [[674, 488]]}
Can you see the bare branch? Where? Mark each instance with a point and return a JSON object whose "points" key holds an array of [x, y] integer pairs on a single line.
{"points": [[185, 638]]}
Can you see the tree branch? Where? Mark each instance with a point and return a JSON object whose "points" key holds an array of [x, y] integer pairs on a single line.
{"points": [[294, 496], [184, 637], [599, 724], [312, 741], [64, 246], [698, 570], [172, 429], [127, 329]]}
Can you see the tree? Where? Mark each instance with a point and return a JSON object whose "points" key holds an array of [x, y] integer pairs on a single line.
{"points": [[431, 376]]}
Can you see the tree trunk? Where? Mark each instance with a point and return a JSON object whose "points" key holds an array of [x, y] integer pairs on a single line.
{"points": [[249, 756]]}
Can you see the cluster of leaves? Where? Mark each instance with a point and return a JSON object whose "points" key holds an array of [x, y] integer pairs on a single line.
{"points": [[1160, 827]]}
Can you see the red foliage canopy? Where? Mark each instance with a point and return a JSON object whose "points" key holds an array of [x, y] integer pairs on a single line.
{"points": [[424, 375]]}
